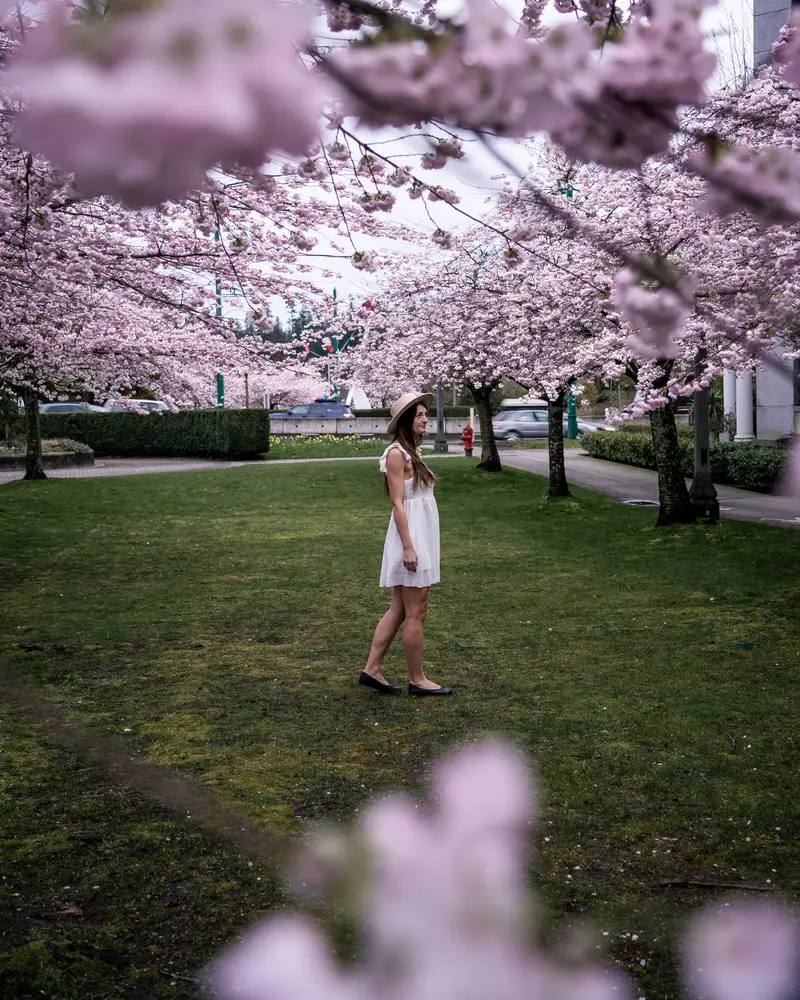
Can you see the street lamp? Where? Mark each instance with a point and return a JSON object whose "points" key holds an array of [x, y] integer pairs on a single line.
{"points": [[572, 417], [440, 441], [217, 282], [702, 494]]}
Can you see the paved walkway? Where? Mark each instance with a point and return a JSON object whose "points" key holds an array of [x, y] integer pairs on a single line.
{"points": [[621, 481], [126, 467], [627, 482], [144, 466]]}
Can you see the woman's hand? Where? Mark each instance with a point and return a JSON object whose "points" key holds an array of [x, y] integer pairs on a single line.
{"points": [[410, 558]]}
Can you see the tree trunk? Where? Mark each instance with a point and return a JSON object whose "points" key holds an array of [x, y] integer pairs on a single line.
{"points": [[555, 448], [34, 469], [675, 507], [490, 457]]}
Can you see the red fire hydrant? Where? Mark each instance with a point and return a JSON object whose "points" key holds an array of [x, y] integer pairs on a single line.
{"points": [[467, 438]]}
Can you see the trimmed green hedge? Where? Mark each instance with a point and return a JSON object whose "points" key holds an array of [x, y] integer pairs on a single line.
{"points": [[188, 433], [751, 466], [449, 411]]}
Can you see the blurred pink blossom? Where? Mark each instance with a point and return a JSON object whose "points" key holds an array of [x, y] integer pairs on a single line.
{"points": [[141, 105], [765, 181], [656, 316], [443, 898], [743, 951]]}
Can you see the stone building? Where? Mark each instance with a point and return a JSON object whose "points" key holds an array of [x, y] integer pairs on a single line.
{"points": [[773, 410]]}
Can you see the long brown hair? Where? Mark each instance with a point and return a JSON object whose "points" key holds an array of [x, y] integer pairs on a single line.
{"points": [[404, 435]]}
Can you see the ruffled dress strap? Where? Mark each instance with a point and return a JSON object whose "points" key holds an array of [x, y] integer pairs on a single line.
{"points": [[400, 448]]}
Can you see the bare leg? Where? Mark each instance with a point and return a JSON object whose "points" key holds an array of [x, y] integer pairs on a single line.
{"points": [[415, 600], [387, 629]]}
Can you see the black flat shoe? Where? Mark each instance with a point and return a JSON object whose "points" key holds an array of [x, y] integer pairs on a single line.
{"points": [[372, 682], [413, 689]]}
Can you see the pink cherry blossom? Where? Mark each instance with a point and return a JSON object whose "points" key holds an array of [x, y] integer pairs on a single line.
{"points": [[743, 950], [656, 316], [141, 105], [365, 260], [486, 76], [765, 180], [442, 895], [787, 53]]}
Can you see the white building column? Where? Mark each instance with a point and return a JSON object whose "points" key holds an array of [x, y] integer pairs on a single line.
{"points": [[728, 398], [744, 407]]}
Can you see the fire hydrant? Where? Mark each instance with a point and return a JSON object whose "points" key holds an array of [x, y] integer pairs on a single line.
{"points": [[467, 438]]}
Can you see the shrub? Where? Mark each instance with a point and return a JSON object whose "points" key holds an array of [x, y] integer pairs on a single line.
{"points": [[630, 449], [195, 433], [750, 466], [67, 444]]}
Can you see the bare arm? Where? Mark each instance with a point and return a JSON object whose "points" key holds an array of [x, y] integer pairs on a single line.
{"points": [[395, 468]]}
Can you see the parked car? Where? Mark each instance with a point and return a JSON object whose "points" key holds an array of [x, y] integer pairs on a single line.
{"points": [[518, 404], [69, 408], [514, 425], [149, 405], [316, 411]]}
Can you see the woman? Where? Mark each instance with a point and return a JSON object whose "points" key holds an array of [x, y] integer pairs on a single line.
{"points": [[411, 552]]}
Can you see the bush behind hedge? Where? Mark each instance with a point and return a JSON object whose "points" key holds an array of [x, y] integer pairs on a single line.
{"points": [[384, 411], [753, 467], [188, 433], [684, 432]]}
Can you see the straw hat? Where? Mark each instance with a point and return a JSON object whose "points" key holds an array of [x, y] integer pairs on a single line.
{"points": [[405, 402]]}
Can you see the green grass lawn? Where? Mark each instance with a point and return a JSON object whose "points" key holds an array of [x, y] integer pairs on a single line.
{"points": [[216, 622]]}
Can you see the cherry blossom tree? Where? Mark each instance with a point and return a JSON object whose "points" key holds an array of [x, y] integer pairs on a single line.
{"points": [[451, 329]]}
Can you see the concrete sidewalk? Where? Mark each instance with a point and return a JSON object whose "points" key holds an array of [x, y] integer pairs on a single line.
{"points": [[146, 466], [627, 482]]}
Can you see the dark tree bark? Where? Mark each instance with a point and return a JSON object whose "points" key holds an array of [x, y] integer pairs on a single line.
{"points": [[675, 507], [34, 468], [490, 457], [559, 487]]}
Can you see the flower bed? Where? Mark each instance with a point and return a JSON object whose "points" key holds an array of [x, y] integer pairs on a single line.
{"points": [[58, 453], [324, 446]]}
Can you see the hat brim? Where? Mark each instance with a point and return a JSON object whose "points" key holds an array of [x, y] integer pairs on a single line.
{"points": [[424, 397]]}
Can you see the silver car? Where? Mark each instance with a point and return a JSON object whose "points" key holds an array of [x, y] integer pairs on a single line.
{"points": [[134, 405], [514, 425], [69, 408]]}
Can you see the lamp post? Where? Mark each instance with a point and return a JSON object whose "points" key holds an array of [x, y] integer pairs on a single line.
{"points": [[702, 494], [564, 186], [218, 314], [572, 417], [217, 282], [440, 441], [335, 339]]}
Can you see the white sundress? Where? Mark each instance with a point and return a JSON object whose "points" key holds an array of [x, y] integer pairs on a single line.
{"points": [[423, 526]]}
